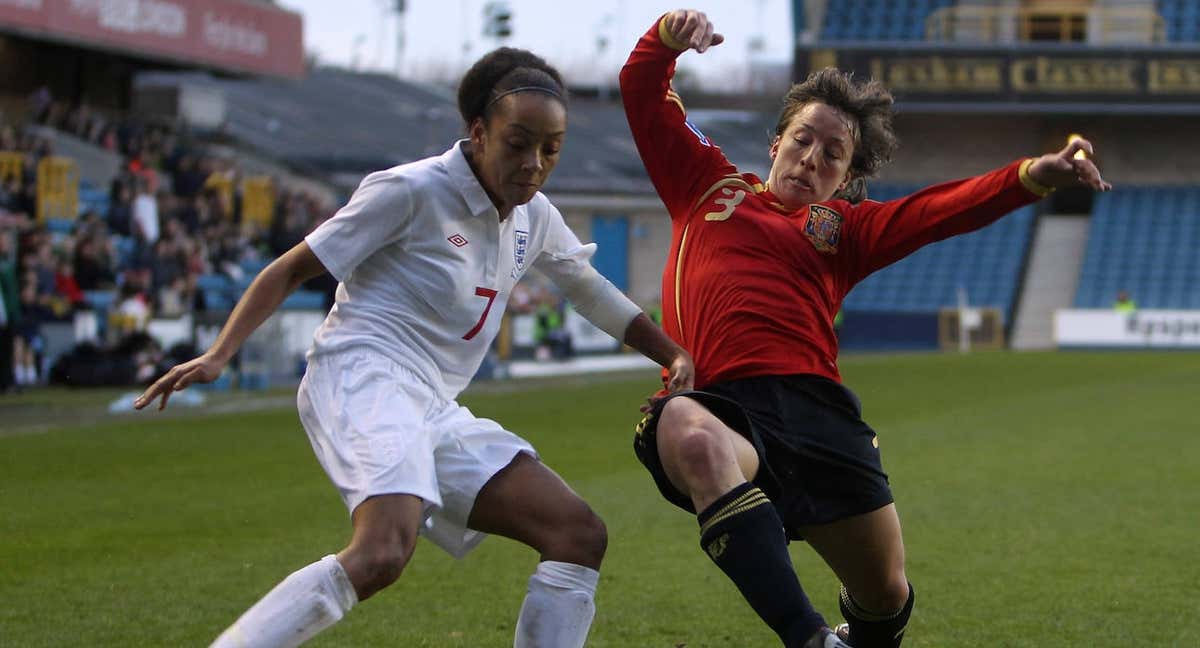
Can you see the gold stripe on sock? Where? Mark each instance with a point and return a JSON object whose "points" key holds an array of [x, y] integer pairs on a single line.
{"points": [[864, 615], [738, 501], [745, 502]]}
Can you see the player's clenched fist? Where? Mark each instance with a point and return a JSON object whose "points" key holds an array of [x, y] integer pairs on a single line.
{"points": [[690, 28]]}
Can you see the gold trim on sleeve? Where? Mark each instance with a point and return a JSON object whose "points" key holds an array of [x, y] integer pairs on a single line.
{"points": [[666, 37], [1032, 185], [674, 96]]}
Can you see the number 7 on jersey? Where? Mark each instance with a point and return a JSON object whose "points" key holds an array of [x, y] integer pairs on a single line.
{"points": [[491, 297]]}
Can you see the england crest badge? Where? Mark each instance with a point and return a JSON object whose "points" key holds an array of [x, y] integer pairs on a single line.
{"points": [[520, 245], [823, 228]]}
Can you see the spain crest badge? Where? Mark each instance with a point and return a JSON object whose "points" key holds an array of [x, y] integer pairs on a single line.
{"points": [[823, 228]]}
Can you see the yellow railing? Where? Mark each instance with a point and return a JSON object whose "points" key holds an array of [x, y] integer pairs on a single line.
{"points": [[1046, 23], [258, 200], [57, 189], [12, 165], [258, 196], [223, 185]]}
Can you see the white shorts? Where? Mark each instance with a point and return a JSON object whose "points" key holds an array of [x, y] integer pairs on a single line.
{"points": [[378, 429]]}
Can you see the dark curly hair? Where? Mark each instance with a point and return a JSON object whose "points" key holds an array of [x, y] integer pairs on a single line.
{"points": [[503, 70], [868, 104]]}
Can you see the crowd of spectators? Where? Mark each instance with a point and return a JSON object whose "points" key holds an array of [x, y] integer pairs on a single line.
{"points": [[123, 134], [172, 219], [174, 214]]}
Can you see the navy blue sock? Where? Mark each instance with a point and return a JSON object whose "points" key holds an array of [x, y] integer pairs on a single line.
{"points": [[869, 630], [742, 533]]}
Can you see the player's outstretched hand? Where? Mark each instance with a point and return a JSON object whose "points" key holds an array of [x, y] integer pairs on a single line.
{"points": [[692, 27], [1069, 167], [203, 369], [681, 375]]}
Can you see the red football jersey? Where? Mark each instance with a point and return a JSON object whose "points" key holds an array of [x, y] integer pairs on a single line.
{"points": [[751, 288]]}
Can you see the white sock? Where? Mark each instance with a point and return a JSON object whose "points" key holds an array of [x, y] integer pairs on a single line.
{"points": [[558, 607], [304, 604]]}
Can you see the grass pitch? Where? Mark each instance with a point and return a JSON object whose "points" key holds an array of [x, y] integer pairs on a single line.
{"points": [[1047, 500]]}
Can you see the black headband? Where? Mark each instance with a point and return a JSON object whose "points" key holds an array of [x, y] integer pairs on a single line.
{"points": [[549, 91]]}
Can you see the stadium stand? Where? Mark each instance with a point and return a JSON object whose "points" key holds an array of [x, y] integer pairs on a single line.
{"points": [[217, 290], [1143, 240], [1182, 19], [334, 125], [876, 20], [92, 198], [986, 263], [341, 122], [204, 240]]}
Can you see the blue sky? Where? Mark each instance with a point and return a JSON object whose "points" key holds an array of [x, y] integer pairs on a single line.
{"points": [[442, 38]]}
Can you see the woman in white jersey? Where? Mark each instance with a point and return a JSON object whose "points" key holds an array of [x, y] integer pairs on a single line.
{"points": [[426, 255]]}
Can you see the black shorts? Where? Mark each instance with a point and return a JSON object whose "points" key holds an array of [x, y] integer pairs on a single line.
{"points": [[818, 461]]}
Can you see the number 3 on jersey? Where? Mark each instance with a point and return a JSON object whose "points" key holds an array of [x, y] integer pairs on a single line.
{"points": [[491, 297], [730, 202]]}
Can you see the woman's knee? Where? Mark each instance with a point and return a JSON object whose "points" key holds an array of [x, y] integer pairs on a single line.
{"points": [[374, 565], [887, 593], [578, 537], [688, 441], [385, 535]]}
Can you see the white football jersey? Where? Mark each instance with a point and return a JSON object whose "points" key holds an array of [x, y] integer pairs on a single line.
{"points": [[425, 267]]}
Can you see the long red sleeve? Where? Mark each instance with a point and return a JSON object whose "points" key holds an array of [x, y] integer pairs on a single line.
{"points": [[680, 160], [883, 233]]}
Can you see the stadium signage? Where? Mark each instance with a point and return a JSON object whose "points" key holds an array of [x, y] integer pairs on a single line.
{"points": [[1045, 74], [1174, 75], [924, 74], [1140, 329], [135, 16], [229, 35]]}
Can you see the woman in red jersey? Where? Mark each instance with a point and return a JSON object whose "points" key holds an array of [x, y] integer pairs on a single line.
{"points": [[771, 446]]}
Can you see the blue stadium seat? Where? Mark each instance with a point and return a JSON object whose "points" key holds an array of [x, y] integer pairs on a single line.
{"points": [[125, 247], [1143, 240], [1182, 20], [304, 300], [213, 282], [218, 302], [93, 199], [254, 266], [238, 286], [986, 263], [879, 19], [101, 300], [218, 291], [60, 225]]}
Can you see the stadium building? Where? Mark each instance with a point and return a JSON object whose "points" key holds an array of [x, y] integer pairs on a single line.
{"points": [[90, 51], [978, 84]]}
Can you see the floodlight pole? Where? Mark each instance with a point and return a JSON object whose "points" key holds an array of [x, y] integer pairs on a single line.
{"points": [[964, 331], [399, 10], [464, 58]]}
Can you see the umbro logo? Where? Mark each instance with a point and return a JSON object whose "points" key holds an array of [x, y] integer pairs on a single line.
{"points": [[458, 240], [717, 547]]}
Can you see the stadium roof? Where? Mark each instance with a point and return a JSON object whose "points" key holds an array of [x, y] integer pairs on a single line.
{"points": [[336, 121], [233, 36]]}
